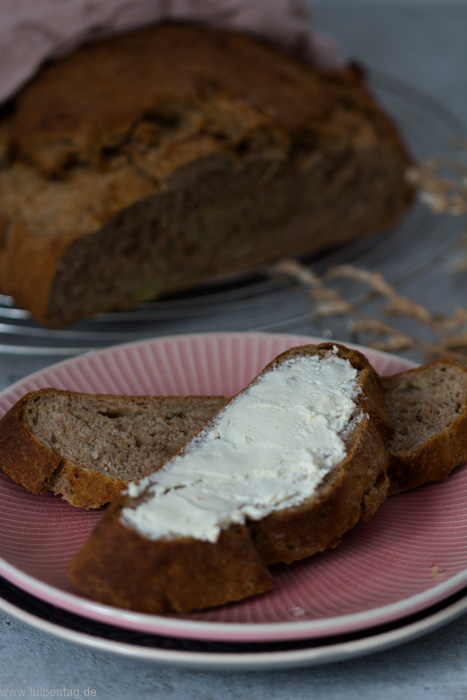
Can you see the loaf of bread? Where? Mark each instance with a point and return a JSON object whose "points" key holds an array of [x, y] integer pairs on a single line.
{"points": [[428, 406], [281, 472], [87, 447], [153, 161]]}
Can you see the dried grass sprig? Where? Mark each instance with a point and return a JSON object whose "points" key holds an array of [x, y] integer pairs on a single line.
{"points": [[442, 184], [329, 302], [397, 306], [386, 337]]}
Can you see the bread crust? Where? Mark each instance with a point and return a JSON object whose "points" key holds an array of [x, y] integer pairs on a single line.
{"points": [[83, 489], [357, 486], [119, 567], [154, 125], [22, 456]]}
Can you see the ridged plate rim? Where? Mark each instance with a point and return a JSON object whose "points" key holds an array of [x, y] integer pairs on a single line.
{"points": [[339, 649]]}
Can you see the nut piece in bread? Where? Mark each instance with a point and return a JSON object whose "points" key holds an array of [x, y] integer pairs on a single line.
{"points": [[285, 468], [156, 160], [87, 447], [428, 406]]}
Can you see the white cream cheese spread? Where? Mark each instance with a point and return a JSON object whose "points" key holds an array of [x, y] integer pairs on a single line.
{"points": [[268, 450]]}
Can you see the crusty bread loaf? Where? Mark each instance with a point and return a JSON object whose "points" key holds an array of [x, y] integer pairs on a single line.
{"points": [[123, 564], [87, 447], [428, 406], [156, 160]]}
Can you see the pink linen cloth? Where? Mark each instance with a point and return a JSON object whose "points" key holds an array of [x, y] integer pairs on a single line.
{"points": [[33, 31]]}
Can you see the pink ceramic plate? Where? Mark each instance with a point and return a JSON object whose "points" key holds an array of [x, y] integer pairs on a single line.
{"points": [[411, 555]]}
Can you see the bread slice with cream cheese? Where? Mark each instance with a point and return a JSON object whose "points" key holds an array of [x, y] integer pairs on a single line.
{"points": [[281, 472]]}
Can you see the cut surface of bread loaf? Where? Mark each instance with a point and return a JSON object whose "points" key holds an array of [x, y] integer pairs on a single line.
{"points": [[87, 447], [280, 473], [159, 159], [428, 406]]}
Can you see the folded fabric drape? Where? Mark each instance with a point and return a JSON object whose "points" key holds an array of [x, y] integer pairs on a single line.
{"points": [[33, 31]]}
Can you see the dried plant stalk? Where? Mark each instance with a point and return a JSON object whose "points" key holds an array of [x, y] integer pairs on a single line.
{"points": [[328, 302], [456, 342], [388, 338], [444, 194], [298, 272], [398, 305], [453, 322]]}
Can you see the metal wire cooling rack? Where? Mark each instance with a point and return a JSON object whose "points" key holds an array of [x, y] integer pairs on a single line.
{"points": [[410, 253]]}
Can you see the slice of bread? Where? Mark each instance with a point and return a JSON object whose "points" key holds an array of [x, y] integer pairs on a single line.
{"points": [[87, 447], [428, 406], [281, 472]]}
